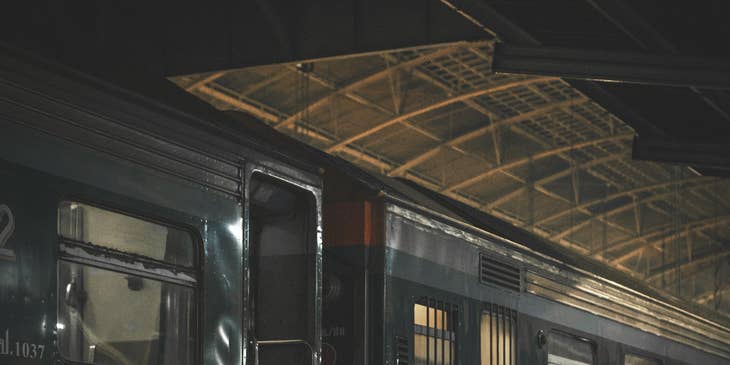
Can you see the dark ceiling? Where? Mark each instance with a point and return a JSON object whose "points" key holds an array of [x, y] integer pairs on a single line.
{"points": [[688, 123]]}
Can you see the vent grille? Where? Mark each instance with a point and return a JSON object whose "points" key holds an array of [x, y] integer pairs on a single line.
{"points": [[498, 273], [401, 350]]}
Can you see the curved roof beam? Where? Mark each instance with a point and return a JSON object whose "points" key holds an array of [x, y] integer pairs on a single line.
{"points": [[710, 295], [540, 155], [273, 115], [620, 209], [482, 131], [684, 263], [363, 101], [375, 76], [205, 80], [661, 232], [618, 195], [558, 175], [687, 274], [455, 99]]}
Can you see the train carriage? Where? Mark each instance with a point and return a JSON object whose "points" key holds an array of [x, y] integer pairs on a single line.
{"points": [[138, 230], [134, 233], [423, 279]]}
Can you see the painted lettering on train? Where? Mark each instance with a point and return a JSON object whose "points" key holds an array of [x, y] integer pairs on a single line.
{"points": [[21, 349], [7, 227], [335, 331]]}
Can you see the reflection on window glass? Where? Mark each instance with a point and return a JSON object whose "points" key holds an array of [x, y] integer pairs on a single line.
{"points": [[564, 349], [498, 336], [631, 359], [88, 224], [111, 318], [127, 317], [434, 339]]}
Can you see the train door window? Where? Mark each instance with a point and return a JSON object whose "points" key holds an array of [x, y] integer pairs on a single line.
{"points": [[283, 250], [498, 336], [434, 332], [126, 289], [633, 359], [566, 349]]}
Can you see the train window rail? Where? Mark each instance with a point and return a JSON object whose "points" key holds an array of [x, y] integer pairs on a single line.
{"points": [[434, 332], [566, 349], [126, 289], [633, 359], [498, 336], [104, 228]]}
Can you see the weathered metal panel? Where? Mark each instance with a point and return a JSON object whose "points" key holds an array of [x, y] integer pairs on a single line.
{"points": [[436, 240], [75, 118]]}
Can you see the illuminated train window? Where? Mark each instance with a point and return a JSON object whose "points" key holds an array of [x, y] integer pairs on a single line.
{"points": [[434, 332], [498, 336], [126, 289], [565, 349], [631, 359]]}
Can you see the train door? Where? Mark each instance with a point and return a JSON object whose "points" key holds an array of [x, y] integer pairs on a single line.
{"points": [[284, 272]]}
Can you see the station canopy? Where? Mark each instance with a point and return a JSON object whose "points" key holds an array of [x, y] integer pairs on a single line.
{"points": [[531, 150]]}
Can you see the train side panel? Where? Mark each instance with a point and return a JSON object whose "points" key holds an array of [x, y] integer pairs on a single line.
{"points": [[475, 289], [62, 141], [31, 285]]}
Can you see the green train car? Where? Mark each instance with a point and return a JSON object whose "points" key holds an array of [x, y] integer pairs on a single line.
{"points": [[422, 279], [143, 230], [133, 233]]}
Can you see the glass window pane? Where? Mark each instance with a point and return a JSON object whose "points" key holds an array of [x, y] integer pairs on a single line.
{"points": [[631, 359], [419, 349], [419, 314], [111, 318], [120, 232], [436, 318], [486, 338], [438, 346], [497, 339], [564, 349], [448, 354]]}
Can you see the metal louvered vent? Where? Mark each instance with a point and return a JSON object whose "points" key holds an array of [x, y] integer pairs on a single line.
{"points": [[401, 350], [504, 275]]}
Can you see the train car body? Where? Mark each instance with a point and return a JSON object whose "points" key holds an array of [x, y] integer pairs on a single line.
{"points": [[134, 233], [421, 279]]}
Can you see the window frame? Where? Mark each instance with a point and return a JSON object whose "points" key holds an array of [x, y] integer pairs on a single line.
{"points": [[452, 318], [507, 314], [593, 344], [639, 353], [291, 178], [117, 261]]}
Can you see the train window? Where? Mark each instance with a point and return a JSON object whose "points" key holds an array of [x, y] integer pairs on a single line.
{"points": [[133, 304], [434, 332], [632, 359], [498, 336], [89, 224], [565, 349]]}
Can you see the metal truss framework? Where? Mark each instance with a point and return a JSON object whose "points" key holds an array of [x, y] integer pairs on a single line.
{"points": [[583, 145], [642, 68]]}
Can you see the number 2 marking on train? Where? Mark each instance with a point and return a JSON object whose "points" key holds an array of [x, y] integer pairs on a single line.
{"points": [[6, 215]]}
